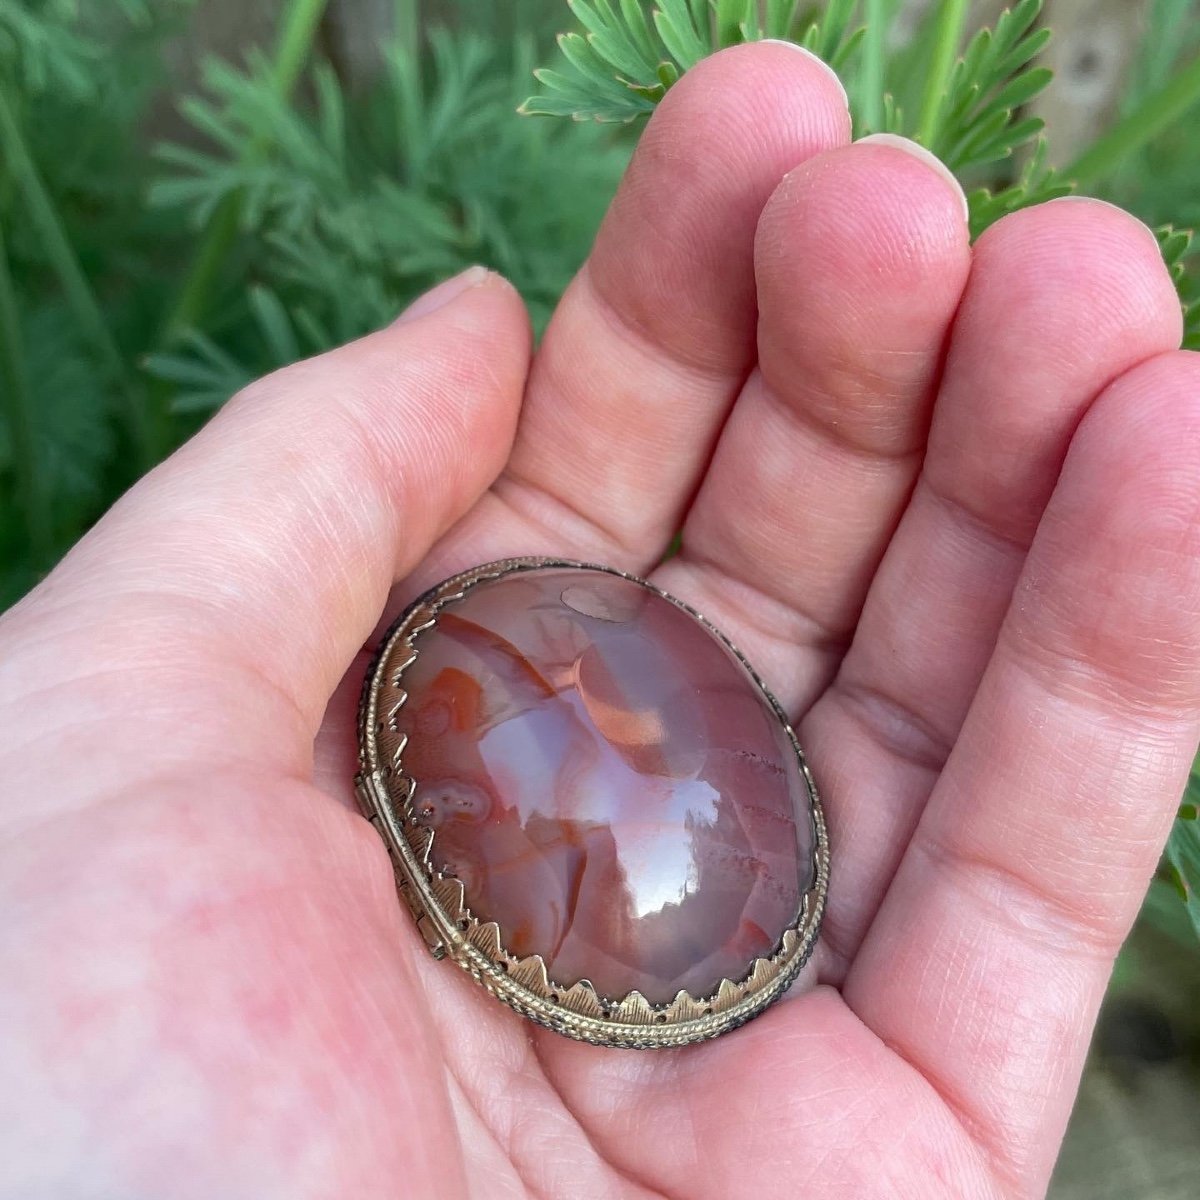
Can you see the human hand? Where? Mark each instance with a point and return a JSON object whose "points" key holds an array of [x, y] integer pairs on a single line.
{"points": [[945, 500]]}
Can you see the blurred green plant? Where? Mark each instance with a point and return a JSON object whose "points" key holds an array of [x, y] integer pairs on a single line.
{"points": [[352, 215], [71, 394], [141, 286]]}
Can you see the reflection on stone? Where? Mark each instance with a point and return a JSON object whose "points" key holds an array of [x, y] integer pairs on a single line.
{"points": [[607, 781]]}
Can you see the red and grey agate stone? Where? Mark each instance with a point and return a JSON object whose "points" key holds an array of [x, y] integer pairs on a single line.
{"points": [[608, 781]]}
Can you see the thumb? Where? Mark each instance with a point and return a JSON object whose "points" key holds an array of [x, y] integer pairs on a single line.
{"points": [[259, 556]]}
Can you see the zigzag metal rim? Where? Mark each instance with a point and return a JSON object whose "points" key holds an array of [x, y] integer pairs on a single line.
{"points": [[439, 905]]}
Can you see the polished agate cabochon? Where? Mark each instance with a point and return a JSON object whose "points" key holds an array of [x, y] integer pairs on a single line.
{"points": [[608, 781]]}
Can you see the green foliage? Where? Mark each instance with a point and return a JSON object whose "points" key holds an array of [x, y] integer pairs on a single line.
{"points": [[44, 46], [1034, 183], [77, 252], [346, 206], [1177, 247], [1181, 868], [974, 110], [366, 201], [991, 82], [629, 55], [40, 47]]}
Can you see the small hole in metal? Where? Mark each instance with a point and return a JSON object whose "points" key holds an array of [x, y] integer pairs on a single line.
{"points": [[553, 997], [660, 1019], [463, 923], [708, 1010]]}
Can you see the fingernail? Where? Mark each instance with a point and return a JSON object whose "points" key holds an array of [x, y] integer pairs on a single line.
{"points": [[815, 58], [1096, 202], [441, 295], [918, 151]]}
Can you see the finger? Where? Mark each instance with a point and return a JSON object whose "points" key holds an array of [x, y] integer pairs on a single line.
{"points": [[1062, 299], [990, 955], [215, 607], [655, 336], [861, 258]]}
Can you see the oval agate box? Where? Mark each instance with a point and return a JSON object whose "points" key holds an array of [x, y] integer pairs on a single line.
{"points": [[592, 803]]}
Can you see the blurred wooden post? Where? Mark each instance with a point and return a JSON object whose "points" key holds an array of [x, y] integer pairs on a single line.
{"points": [[1095, 44]]}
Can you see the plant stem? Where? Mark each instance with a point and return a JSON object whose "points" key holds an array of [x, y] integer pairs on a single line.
{"points": [[300, 21], [948, 32], [18, 402], [407, 26], [70, 274], [871, 77], [295, 43], [408, 86], [1159, 110]]}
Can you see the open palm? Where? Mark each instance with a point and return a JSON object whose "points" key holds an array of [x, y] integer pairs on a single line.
{"points": [[944, 498]]}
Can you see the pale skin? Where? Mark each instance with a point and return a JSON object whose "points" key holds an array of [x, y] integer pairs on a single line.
{"points": [[945, 497]]}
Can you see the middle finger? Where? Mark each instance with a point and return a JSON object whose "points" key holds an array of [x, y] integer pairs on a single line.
{"points": [[861, 258]]}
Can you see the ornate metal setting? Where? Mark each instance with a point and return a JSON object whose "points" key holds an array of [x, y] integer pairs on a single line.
{"points": [[442, 911]]}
